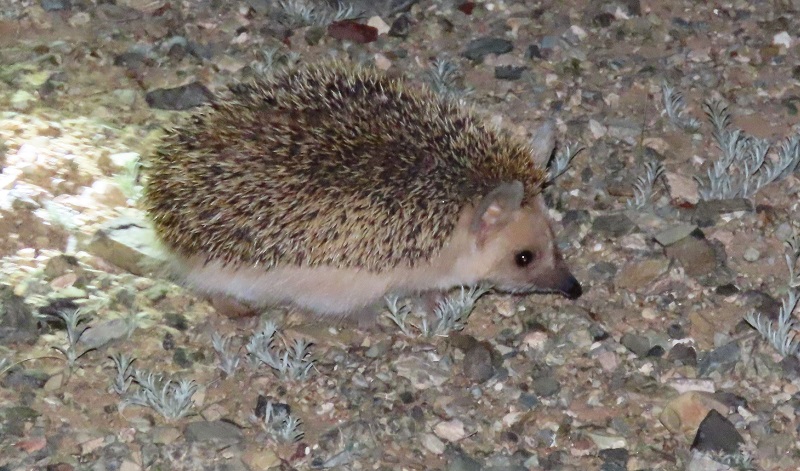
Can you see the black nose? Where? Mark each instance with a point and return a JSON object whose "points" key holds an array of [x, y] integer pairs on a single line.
{"points": [[571, 288]]}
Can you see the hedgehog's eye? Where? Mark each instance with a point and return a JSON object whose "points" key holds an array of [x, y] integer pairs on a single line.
{"points": [[523, 258]]}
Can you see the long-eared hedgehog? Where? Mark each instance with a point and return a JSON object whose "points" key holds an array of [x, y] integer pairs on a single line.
{"points": [[328, 187]]}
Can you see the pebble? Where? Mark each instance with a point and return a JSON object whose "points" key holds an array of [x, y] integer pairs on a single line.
{"points": [[400, 27], [432, 443], [674, 234], [604, 441], [721, 359], [636, 343], [684, 413], [219, 432], [422, 372], [380, 25], [614, 459], [55, 5], [638, 275], [612, 225], [509, 72], [179, 98], [460, 461], [451, 430], [696, 255], [751, 254], [478, 363], [783, 39], [129, 244], [717, 434], [546, 386], [478, 49], [17, 324]]}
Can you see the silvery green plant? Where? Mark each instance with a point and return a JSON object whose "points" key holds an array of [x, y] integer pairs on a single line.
{"points": [[783, 335], [124, 376], [75, 323], [170, 398], [273, 59], [300, 13], [562, 160], [228, 360], [644, 186], [743, 168], [674, 107], [450, 314], [443, 78], [289, 361], [280, 425]]}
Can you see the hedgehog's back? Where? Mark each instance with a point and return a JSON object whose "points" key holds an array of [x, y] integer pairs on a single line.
{"points": [[325, 166]]}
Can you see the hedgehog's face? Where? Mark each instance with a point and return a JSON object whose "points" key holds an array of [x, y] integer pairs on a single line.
{"points": [[517, 246]]}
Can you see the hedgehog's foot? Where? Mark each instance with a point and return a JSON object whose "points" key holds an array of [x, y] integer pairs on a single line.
{"points": [[230, 307]]}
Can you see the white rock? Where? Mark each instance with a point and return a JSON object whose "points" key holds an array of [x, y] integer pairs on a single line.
{"points": [[783, 39], [579, 32], [451, 430], [597, 129], [378, 23], [432, 443]]}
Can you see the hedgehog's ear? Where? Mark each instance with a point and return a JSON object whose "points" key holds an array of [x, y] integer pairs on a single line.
{"points": [[543, 143], [495, 209]]}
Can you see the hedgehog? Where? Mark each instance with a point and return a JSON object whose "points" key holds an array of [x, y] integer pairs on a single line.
{"points": [[328, 187]]}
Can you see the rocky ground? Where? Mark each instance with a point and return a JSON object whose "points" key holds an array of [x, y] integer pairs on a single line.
{"points": [[654, 367]]}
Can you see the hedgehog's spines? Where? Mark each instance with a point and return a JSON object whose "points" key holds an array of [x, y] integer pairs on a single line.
{"points": [[288, 167]]}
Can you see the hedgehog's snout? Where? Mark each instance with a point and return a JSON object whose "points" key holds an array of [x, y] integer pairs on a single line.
{"points": [[571, 288]]}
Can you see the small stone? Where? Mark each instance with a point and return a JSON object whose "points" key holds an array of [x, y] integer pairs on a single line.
{"points": [[674, 234], [478, 363], [577, 32], [223, 433], [508, 72], [422, 372], [479, 48], [55, 5], [696, 255], [682, 354], [546, 386], [638, 275], [17, 323], [783, 39], [604, 441], [717, 434], [462, 462], [638, 344], [432, 443], [684, 413], [751, 254], [179, 98], [164, 435], [129, 244], [260, 459], [380, 25], [102, 334], [613, 225], [400, 27], [727, 289], [721, 359], [451, 430], [614, 459], [597, 129]]}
